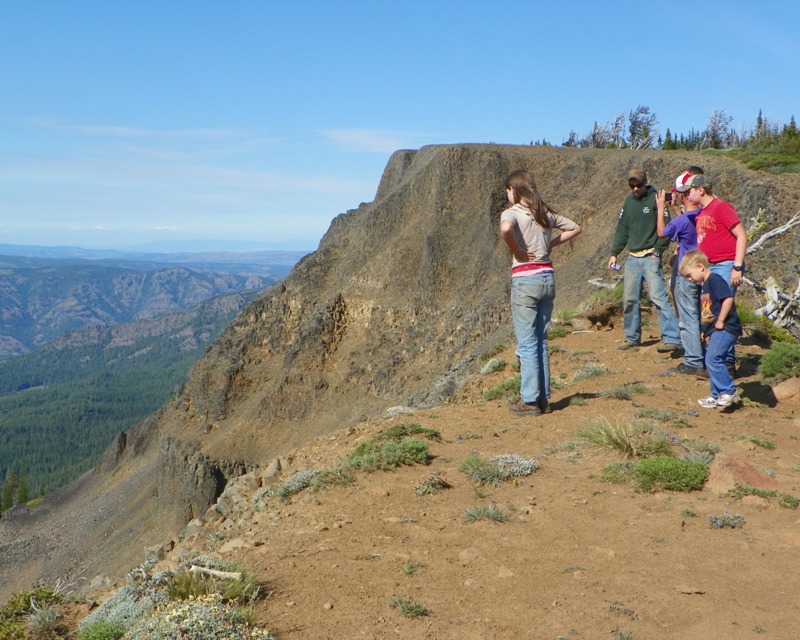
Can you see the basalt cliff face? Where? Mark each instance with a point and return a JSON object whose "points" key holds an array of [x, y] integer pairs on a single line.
{"points": [[401, 296]]}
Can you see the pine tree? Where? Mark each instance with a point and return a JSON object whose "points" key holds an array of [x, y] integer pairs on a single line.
{"points": [[9, 487], [22, 489]]}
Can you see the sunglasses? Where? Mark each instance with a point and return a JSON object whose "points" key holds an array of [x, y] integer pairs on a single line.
{"points": [[636, 185]]}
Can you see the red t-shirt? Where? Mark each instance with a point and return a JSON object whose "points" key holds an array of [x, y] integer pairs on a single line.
{"points": [[714, 231]]}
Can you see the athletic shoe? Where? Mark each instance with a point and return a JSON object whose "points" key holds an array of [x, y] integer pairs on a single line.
{"points": [[708, 403], [628, 345], [524, 409], [727, 399], [667, 347], [700, 372]]}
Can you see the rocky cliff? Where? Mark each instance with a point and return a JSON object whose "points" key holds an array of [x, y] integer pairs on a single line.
{"points": [[402, 294]]}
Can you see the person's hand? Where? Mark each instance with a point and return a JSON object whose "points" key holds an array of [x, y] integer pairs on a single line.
{"points": [[736, 278], [661, 199], [525, 257], [612, 262]]}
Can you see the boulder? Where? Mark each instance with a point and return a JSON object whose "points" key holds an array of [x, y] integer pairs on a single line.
{"points": [[725, 472]]}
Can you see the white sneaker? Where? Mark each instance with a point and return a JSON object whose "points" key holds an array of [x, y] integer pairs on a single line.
{"points": [[727, 399], [708, 403]]}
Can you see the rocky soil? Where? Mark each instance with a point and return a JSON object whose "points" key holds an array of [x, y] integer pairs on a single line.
{"points": [[579, 557]]}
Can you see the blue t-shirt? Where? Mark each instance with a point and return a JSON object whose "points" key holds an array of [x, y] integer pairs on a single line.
{"points": [[681, 229], [715, 291]]}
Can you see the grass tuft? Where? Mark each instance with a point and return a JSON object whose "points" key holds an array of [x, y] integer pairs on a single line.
{"points": [[410, 608], [491, 512], [631, 439], [623, 392], [591, 371]]}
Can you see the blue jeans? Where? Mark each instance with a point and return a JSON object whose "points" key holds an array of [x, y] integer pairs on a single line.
{"points": [[719, 344], [637, 271], [531, 307], [725, 269], [687, 299]]}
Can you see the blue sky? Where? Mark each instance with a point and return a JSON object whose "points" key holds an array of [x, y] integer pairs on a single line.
{"points": [[123, 123]]}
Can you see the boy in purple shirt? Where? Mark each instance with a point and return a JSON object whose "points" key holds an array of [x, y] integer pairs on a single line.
{"points": [[681, 229]]}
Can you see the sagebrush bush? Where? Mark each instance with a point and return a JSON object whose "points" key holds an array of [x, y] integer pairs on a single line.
{"points": [[670, 474], [203, 618], [295, 483], [131, 603], [780, 362], [497, 468], [510, 465]]}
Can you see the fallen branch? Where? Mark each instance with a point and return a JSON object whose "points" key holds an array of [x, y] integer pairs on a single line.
{"points": [[795, 221], [598, 282], [229, 575]]}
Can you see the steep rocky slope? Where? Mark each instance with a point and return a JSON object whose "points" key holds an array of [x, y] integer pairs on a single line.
{"points": [[392, 309]]}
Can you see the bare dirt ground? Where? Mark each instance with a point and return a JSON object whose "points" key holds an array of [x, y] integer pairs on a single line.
{"points": [[579, 558]]}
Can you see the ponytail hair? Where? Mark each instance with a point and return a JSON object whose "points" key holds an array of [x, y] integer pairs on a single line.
{"points": [[525, 192]]}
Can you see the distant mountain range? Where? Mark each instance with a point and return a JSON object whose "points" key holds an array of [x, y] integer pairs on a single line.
{"points": [[64, 289]]}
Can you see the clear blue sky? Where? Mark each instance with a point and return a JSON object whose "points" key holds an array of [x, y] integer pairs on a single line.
{"points": [[131, 122]]}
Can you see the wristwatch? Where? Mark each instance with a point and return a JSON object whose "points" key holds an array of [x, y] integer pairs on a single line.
{"points": [[738, 267]]}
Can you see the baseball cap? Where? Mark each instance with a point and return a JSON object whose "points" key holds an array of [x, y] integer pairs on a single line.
{"points": [[637, 174], [696, 181], [680, 182]]}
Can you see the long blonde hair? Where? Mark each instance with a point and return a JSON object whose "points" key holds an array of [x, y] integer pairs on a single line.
{"points": [[525, 192]]}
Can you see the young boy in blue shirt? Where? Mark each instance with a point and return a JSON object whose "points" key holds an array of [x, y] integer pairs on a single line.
{"points": [[720, 324]]}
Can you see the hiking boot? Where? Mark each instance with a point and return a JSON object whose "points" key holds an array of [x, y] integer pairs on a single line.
{"points": [[524, 409], [700, 372], [628, 345], [667, 347], [545, 406], [727, 399], [708, 403]]}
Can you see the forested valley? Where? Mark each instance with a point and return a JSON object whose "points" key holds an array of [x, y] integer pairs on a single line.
{"points": [[92, 349]]}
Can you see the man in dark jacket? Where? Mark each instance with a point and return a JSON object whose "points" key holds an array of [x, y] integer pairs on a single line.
{"points": [[636, 229]]}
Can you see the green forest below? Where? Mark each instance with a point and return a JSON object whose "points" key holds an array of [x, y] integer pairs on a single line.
{"points": [[61, 407]]}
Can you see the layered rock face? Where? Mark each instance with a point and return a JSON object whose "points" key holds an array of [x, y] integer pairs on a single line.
{"points": [[403, 294]]}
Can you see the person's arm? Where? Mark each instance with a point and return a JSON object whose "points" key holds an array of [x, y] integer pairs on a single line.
{"points": [[724, 310], [741, 249], [565, 236], [620, 239], [508, 232], [661, 205]]}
